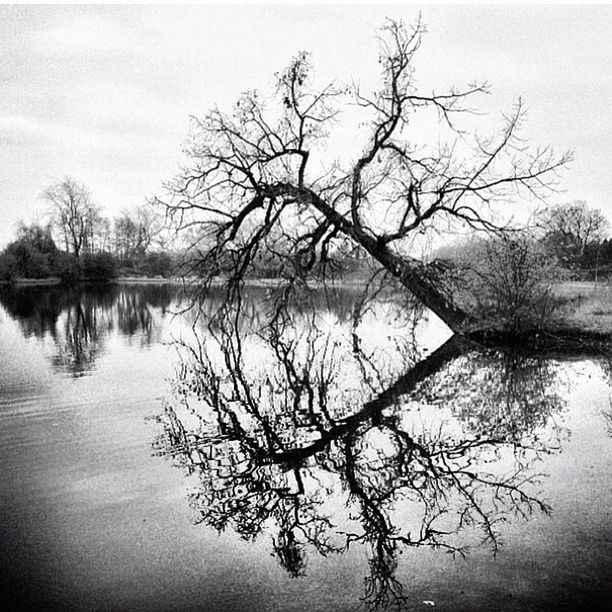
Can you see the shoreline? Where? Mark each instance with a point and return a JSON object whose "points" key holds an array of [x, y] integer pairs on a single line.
{"points": [[152, 280], [121, 280], [585, 318]]}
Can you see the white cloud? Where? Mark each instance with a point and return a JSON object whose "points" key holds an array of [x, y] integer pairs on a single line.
{"points": [[104, 92], [11, 123], [83, 33], [32, 128]]}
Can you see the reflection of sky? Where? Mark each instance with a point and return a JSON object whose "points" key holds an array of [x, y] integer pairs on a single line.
{"points": [[92, 506]]}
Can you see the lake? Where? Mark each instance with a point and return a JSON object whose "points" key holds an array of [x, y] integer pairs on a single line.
{"points": [[354, 456]]}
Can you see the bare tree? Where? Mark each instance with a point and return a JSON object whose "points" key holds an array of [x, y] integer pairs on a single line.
{"points": [[253, 185], [72, 211], [136, 231], [124, 229], [105, 233], [508, 279], [572, 227], [97, 227]]}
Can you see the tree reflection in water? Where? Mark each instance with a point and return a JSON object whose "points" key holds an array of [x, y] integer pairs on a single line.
{"points": [[78, 318], [281, 423]]}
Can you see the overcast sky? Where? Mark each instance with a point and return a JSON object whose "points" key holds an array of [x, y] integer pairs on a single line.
{"points": [[104, 93]]}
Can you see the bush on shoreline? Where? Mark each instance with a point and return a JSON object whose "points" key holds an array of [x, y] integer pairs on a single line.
{"points": [[34, 255], [508, 282]]}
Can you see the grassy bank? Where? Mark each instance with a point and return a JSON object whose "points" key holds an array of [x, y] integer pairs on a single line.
{"points": [[584, 305], [581, 319]]}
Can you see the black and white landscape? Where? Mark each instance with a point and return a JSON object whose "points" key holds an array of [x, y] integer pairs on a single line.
{"points": [[305, 308]]}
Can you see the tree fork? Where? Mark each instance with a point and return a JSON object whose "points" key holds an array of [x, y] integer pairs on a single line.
{"points": [[410, 272]]}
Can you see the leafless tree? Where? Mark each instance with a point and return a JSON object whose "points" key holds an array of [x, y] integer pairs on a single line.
{"points": [[105, 234], [136, 231], [97, 227], [72, 212], [254, 183], [570, 228]]}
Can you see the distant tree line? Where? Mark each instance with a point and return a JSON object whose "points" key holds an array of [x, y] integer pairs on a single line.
{"points": [[509, 277], [79, 242], [578, 237], [573, 240]]}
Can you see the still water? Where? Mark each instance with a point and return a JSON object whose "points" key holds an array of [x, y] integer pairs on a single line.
{"points": [[354, 457]]}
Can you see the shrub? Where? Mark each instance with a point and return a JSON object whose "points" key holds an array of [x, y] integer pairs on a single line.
{"points": [[509, 282], [98, 267], [65, 266], [30, 256], [158, 264], [27, 260], [8, 266]]}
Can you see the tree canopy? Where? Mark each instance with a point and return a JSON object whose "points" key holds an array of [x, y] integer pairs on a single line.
{"points": [[571, 228], [251, 183]]}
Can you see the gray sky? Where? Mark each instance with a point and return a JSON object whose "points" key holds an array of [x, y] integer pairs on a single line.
{"points": [[104, 93]]}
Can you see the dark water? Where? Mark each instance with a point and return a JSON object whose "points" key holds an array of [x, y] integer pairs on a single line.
{"points": [[354, 459]]}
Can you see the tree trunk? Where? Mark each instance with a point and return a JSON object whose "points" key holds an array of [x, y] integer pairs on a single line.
{"points": [[410, 272]]}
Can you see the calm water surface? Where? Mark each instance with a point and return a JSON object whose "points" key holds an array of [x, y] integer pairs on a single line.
{"points": [[359, 459]]}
